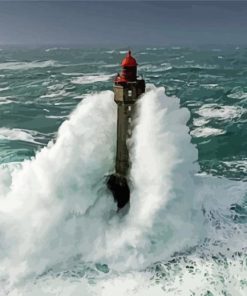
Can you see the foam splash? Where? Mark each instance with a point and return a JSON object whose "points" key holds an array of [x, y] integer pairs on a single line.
{"points": [[56, 209], [157, 155], [60, 186], [62, 180], [163, 165]]}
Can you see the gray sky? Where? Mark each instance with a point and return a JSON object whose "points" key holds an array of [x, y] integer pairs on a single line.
{"points": [[123, 23]]}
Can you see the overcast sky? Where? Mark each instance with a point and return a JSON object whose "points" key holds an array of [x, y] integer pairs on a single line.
{"points": [[123, 23]]}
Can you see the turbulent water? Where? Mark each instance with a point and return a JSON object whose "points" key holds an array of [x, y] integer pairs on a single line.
{"points": [[186, 230]]}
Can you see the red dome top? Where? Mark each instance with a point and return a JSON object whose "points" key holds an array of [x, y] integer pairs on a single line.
{"points": [[129, 61]]}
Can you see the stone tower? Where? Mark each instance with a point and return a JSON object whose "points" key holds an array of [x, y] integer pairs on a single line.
{"points": [[127, 90]]}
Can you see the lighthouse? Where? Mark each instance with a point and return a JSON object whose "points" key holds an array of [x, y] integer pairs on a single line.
{"points": [[127, 90]]}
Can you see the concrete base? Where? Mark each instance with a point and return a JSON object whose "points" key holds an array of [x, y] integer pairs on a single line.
{"points": [[119, 187]]}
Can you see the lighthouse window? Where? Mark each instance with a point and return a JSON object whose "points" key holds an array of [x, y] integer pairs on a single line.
{"points": [[129, 119], [129, 93], [129, 108]]}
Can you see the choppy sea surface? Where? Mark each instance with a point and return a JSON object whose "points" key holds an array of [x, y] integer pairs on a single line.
{"points": [[186, 230]]}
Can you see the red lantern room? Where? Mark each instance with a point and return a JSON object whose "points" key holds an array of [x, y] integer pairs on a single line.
{"points": [[129, 61], [129, 71]]}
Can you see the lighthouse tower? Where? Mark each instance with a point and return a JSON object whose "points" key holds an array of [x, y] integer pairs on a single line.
{"points": [[127, 90]]}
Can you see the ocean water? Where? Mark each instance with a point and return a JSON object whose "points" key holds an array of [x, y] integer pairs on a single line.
{"points": [[186, 230]]}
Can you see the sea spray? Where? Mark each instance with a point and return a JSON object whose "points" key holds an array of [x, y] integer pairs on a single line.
{"points": [[163, 158], [63, 179], [163, 201], [58, 219], [58, 205], [163, 205]]}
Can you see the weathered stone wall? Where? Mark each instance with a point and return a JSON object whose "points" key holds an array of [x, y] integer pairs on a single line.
{"points": [[126, 97]]}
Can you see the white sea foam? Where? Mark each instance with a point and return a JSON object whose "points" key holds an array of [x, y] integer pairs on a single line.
{"points": [[88, 79], [239, 95], [56, 48], [152, 68], [110, 66], [110, 51], [197, 66], [16, 134], [4, 88], [57, 86], [236, 166], [56, 116], [54, 95], [27, 65], [200, 121], [5, 100], [205, 132], [73, 74], [211, 86], [220, 112], [51, 49]]}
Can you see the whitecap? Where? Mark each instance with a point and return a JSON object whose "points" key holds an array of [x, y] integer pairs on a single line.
{"points": [[205, 132], [110, 66], [200, 121], [56, 116], [17, 134], [197, 66], [51, 49], [210, 85], [72, 74], [54, 95], [239, 95], [91, 79], [5, 100], [110, 51], [220, 112], [153, 68], [27, 65], [56, 48], [58, 86], [4, 88], [236, 165]]}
